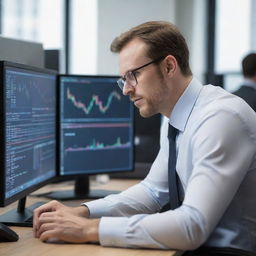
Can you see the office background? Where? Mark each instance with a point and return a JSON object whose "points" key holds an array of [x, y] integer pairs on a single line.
{"points": [[77, 35], [219, 33]]}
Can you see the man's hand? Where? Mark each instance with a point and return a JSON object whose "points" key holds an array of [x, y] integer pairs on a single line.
{"points": [[55, 220]]}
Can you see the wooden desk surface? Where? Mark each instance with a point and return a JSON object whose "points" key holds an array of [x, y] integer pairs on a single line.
{"points": [[28, 245]]}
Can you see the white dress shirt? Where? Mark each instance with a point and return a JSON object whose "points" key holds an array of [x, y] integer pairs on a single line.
{"points": [[216, 164]]}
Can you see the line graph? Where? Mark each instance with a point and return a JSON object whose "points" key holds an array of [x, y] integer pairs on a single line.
{"points": [[95, 101]]}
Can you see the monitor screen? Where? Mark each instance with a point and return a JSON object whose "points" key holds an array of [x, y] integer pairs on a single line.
{"points": [[96, 128], [28, 136], [96, 123]]}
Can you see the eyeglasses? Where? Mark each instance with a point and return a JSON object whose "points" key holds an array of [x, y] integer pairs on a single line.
{"points": [[130, 77]]}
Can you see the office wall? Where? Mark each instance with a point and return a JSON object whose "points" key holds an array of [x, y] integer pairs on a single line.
{"points": [[192, 22], [116, 16]]}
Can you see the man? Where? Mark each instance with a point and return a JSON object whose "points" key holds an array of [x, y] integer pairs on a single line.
{"points": [[214, 163], [248, 90]]}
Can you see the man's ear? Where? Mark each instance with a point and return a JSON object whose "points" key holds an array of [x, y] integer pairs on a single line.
{"points": [[170, 63]]}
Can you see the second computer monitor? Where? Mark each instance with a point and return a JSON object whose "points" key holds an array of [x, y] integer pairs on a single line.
{"points": [[96, 126]]}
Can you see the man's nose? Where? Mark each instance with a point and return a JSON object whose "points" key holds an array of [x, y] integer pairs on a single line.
{"points": [[127, 89]]}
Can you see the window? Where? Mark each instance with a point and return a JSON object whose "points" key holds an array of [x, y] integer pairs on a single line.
{"points": [[83, 37], [34, 20], [235, 38]]}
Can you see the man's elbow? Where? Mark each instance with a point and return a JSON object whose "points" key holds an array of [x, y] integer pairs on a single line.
{"points": [[194, 242], [190, 240], [194, 230]]}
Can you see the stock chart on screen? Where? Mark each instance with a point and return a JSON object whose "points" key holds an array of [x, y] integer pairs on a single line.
{"points": [[96, 126]]}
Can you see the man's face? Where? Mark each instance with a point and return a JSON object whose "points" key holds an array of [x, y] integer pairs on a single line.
{"points": [[151, 93]]}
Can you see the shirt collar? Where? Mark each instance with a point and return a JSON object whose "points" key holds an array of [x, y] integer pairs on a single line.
{"points": [[183, 107], [250, 83]]}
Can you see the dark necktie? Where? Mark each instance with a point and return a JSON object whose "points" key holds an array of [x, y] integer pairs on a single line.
{"points": [[172, 174]]}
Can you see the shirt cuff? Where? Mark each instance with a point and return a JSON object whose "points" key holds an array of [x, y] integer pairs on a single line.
{"points": [[97, 208], [112, 231]]}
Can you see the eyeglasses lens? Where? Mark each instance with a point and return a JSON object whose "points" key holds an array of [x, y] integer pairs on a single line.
{"points": [[131, 79]]}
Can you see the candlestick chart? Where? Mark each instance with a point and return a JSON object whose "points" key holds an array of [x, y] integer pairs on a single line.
{"points": [[102, 102]]}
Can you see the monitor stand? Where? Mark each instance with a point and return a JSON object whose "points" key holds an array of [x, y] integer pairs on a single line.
{"points": [[22, 216], [80, 191]]}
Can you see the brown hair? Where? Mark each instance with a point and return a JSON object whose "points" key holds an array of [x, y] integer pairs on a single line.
{"points": [[249, 65], [163, 38]]}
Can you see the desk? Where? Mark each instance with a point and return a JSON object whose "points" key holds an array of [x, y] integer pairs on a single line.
{"points": [[28, 245]]}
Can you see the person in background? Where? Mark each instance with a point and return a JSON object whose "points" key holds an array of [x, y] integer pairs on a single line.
{"points": [[205, 168], [248, 89]]}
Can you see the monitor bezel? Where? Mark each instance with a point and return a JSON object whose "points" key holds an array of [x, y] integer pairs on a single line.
{"points": [[3, 65], [72, 176]]}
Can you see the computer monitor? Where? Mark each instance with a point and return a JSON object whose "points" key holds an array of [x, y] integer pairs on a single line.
{"points": [[96, 132], [27, 136]]}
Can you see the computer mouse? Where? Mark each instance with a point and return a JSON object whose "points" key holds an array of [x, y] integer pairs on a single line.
{"points": [[7, 235]]}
